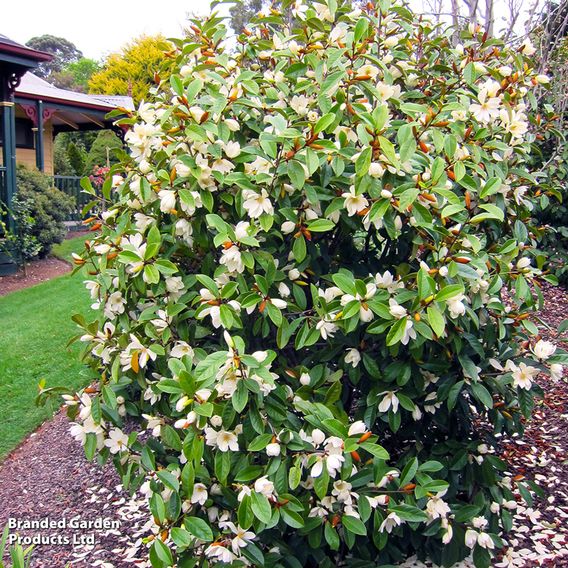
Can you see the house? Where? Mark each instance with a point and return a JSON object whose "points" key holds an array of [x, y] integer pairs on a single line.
{"points": [[34, 112]]}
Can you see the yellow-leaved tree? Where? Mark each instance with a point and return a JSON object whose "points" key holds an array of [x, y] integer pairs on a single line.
{"points": [[131, 72]]}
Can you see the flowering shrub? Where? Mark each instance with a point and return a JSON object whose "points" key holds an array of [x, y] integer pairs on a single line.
{"points": [[98, 175], [304, 352]]}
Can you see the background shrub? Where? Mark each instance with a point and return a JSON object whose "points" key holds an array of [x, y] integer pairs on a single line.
{"points": [[300, 292], [46, 206]]}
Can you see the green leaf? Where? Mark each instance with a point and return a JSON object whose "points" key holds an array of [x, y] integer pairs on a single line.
{"points": [[450, 291], [160, 554], [482, 394], [396, 332], [299, 248], [291, 518], [169, 480], [297, 174], [436, 320], [260, 442], [354, 525], [198, 528], [325, 121], [261, 507], [320, 225], [375, 450]]}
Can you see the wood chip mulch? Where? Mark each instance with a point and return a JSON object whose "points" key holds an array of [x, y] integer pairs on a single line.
{"points": [[47, 476], [36, 272]]}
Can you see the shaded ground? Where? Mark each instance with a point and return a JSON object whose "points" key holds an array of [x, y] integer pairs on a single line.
{"points": [[48, 476]]}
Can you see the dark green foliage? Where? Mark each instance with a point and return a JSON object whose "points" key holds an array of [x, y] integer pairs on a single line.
{"points": [[63, 51], [77, 158], [103, 149], [46, 205]]}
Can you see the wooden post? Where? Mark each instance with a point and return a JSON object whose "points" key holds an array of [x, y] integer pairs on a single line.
{"points": [[40, 159], [9, 140]]}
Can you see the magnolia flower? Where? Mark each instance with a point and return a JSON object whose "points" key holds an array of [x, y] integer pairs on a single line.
{"points": [[485, 541], [167, 200], [556, 371], [544, 349], [273, 449], [256, 204], [117, 441], [220, 552], [326, 329], [353, 202], [232, 259], [523, 375], [389, 400], [265, 486], [353, 357], [241, 539], [199, 494], [456, 306], [232, 149], [470, 538], [396, 310], [356, 428], [300, 104], [305, 379], [488, 107], [437, 507], [391, 521], [223, 439]]}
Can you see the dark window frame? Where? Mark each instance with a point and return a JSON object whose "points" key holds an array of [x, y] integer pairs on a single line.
{"points": [[25, 136]]}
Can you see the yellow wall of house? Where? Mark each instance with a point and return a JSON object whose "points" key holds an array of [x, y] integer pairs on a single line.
{"points": [[27, 156]]}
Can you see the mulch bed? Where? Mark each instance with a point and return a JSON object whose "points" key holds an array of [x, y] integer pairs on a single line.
{"points": [[47, 476], [36, 272]]}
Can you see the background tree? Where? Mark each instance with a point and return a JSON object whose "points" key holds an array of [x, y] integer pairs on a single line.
{"points": [[102, 151], [131, 72], [63, 51], [243, 12], [76, 75]]}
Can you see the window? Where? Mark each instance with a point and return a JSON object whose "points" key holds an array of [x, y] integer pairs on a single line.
{"points": [[24, 134]]}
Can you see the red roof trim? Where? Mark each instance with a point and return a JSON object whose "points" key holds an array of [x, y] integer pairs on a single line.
{"points": [[26, 51]]}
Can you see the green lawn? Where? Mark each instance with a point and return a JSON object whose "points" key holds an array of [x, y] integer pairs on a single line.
{"points": [[35, 327]]}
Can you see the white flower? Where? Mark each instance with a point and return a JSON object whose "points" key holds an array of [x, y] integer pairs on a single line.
{"points": [[317, 436], [396, 310], [300, 104], [232, 259], [523, 375], [305, 379], [528, 48], [117, 441], [353, 202], [167, 200], [273, 449], [265, 486], [256, 204], [556, 371], [226, 440], [488, 107], [356, 428], [232, 149], [544, 349], [326, 329], [456, 306], [470, 538], [392, 521], [485, 541], [199, 494], [437, 507], [353, 357], [389, 400], [220, 553], [241, 538]]}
